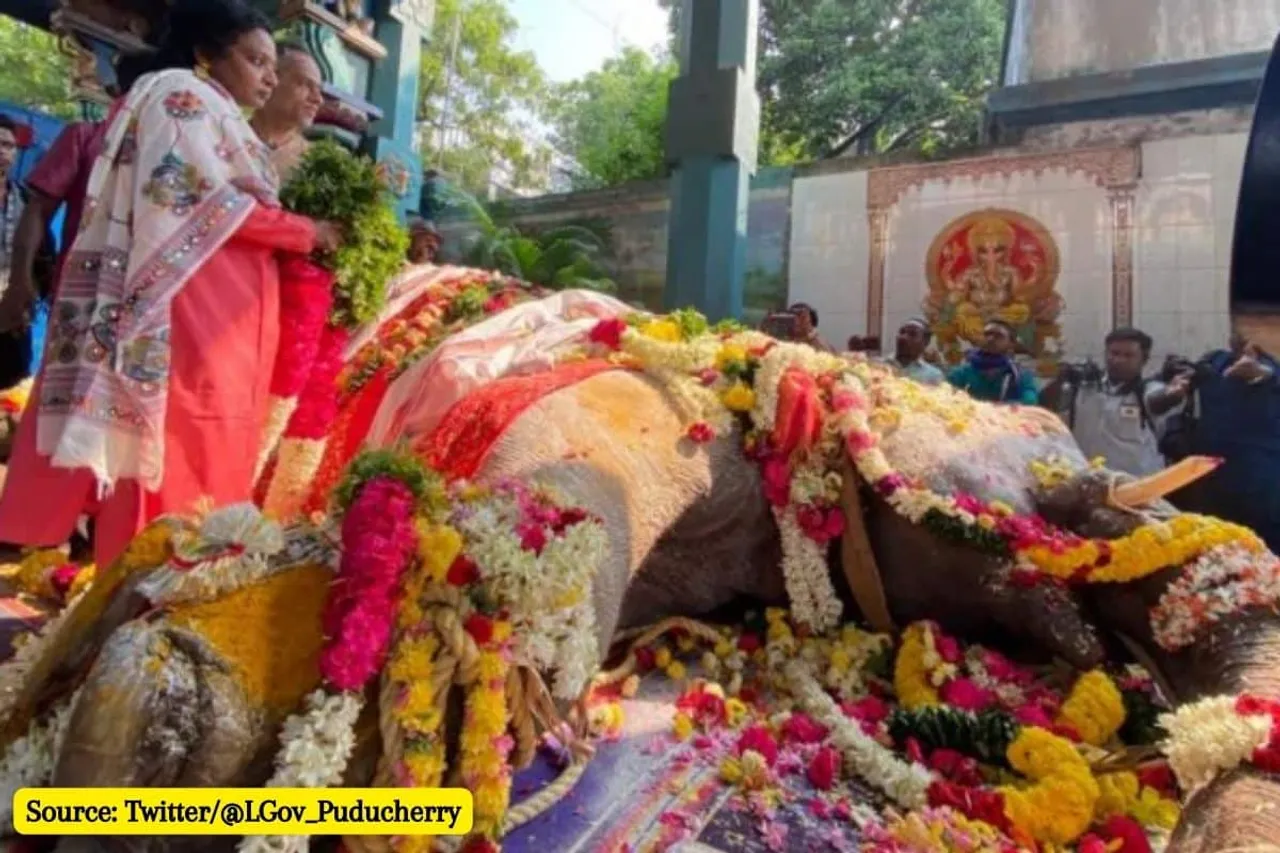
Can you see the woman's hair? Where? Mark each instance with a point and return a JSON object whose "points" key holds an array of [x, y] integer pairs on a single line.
{"points": [[129, 67], [195, 27]]}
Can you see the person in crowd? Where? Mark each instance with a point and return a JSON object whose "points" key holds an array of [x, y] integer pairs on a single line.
{"points": [[61, 177], [15, 351], [157, 400], [909, 353], [1120, 415], [424, 241], [990, 372], [1233, 413], [291, 109], [807, 326]]}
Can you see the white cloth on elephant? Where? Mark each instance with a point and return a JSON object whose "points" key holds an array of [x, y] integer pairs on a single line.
{"points": [[411, 282], [521, 340]]}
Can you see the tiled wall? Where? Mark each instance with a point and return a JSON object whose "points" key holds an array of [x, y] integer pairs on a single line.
{"points": [[1184, 218], [1073, 209], [830, 251]]}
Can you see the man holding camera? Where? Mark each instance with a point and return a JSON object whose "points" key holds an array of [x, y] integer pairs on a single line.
{"points": [[1233, 413], [1117, 414]]}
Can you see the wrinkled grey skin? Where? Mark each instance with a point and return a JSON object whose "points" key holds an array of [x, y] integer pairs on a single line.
{"points": [[690, 531]]}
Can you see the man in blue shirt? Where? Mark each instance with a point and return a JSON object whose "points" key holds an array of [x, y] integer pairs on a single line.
{"points": [[990, 372], [908, 356]]}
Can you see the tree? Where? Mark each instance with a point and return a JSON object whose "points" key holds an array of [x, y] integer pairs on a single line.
{"points": [[34, 73], [568, 256], [611, 121], [480, 97], [873, 75]]}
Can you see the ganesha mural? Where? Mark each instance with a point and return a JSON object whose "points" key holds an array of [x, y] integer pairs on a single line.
{"points": [[994, 265]]}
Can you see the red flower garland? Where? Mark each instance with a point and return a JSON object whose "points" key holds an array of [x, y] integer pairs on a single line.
{"points": [[306, 298], [378, 543], [318, 402]]}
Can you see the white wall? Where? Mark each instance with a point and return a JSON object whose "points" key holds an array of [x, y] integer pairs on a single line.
{"points": [[830, 251], [1184, 221]]}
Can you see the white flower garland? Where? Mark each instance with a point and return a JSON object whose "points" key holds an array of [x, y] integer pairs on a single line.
{"points": [[804, 566], [1210, 737], [14, 671], [552, 618], [906, 784], [315, 746], [30, 760], [227, 552], [1220, 584]]}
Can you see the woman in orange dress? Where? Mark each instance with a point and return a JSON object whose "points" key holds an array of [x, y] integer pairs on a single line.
{"points": [[154, 387]]}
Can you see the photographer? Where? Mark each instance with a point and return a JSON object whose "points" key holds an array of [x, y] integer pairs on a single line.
{"points": [[1117, 414], [1233, 413]]}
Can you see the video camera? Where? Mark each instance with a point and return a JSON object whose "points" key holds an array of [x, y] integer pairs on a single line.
{"points": [[1176, 365], [1087, 372]]}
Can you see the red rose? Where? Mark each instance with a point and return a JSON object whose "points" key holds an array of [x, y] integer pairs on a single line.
{"points": [[608, 333], [701, 432], [532, 537], [463, 572], [480, 627], [568, 518], [801, 728], [758, 739], [748, 643], [824, 768]]}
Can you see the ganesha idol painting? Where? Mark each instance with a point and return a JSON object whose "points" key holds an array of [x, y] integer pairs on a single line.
{"points": [[994, 265]]}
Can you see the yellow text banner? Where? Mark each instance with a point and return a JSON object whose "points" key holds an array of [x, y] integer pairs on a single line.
{"points": [[242, 811]]}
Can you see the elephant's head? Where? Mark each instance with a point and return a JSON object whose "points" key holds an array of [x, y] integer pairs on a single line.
{"points": [[1115, 567]]}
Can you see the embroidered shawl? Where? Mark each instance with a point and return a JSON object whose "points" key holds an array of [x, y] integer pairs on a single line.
{"points": [[179, 172]]}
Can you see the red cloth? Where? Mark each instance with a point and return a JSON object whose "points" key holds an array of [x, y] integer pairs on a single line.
{"points": [[63, 173], [458, 447], [224, 336]]}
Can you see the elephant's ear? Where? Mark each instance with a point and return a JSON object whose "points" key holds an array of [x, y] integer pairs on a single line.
{"points": [[859, 560]]}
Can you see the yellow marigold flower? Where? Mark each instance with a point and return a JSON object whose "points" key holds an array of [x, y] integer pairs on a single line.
{"points": [[685, 643], [910, 672], [491, 667], [682, 726], [755, 770], [730, 354], [735, 711], [731, 771], [676, 671], [662, 658], [662, 330], [739, 397], [723, 648], [841, 660], [438, 547], [987, 522], [1094, 708], [501, 632]]}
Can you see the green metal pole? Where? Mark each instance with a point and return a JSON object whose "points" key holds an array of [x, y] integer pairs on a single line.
{"points": [[713, 125]]}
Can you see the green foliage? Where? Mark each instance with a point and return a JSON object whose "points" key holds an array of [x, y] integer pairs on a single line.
{"points": [[398, 464], [33, 72], [563, 258], [333, 184], [611, 121], [874, 75], [985, 736], [473, 100]]}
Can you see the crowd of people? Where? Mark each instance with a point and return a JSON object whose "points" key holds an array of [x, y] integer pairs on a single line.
{"points": [[1225, 405]]}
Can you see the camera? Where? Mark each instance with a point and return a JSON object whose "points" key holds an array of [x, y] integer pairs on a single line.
{"points": [[1087, 372], [1175, 366]]}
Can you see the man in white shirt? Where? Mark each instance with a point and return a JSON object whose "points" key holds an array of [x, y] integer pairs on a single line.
{"points": [[1121, 416], [908, 356]]}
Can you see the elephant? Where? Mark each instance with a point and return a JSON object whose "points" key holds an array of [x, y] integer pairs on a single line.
{"points": [[690, 532]]}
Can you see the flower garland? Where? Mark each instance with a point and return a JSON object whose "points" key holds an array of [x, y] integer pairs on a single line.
{"points": [[1223, 582], [29, 761], [306, 298], [302, 448], [1216, 735], [379, 541]]}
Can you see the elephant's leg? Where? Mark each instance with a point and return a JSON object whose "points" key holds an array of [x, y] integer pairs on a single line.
{"points": [[160, 709]]}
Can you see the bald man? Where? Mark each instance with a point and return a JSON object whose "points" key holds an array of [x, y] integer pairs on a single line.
{"points": [[291, 108]]}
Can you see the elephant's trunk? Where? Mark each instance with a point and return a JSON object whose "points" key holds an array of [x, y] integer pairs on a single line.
{"points": [[1240, 810]]}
